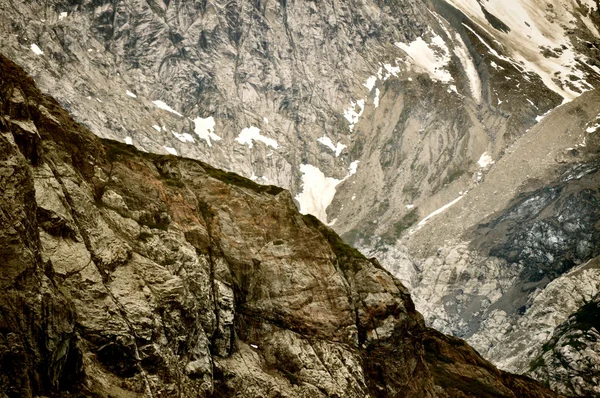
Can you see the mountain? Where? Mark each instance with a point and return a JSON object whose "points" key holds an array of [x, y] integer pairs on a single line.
{"points": [[454, 140], [129, 274]]}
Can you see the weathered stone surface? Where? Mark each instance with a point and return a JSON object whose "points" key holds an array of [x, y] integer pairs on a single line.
{"points": [[147, 280], [304, 72]]}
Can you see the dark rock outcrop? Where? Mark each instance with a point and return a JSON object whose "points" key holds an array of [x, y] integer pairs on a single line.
{"points": [[128, 274], [569, 360]]}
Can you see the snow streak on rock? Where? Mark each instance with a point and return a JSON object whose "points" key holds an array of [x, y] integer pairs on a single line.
{"points": [[250, 134], [185, 137], [329, 144], [438, 211], [469, 68], [160, 104], [172, 151], [36, 50]]}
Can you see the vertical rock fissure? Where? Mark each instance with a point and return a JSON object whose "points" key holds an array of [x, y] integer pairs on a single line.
{"points": [[96, 260], [206, 214]]}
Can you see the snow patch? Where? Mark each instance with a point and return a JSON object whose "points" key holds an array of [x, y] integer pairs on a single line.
{"points": [[485, 160], [352, 115], [254, 177], [390, 71], [160, 104], [129, 93], [329, 144], [128, 141], [370, 82], [36, 50], [62, 15], [383, 73], [157, 128], [429, 58], [205, 129], [252, 133], [185, 137], [172, 151], [317, 191]]}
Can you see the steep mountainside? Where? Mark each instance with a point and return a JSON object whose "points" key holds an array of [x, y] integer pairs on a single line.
{"points": [[294, 92], [569, 359], [431, 134], [129, 274], [509, 261]]}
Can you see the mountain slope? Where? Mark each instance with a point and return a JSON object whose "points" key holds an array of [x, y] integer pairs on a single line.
{"points": [[507, 262], [376, 115], [147, 275]]}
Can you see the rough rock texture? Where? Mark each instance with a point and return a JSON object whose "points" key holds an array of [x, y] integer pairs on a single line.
{"points": [[523, 256], [37, 338], [569, 360], [129, 274], [429, 98], [415, 91]]}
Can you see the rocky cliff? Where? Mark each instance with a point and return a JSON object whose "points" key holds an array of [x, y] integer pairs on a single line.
{"points": [[569, 359], [379, 117], [130, 274], [511, 260]]}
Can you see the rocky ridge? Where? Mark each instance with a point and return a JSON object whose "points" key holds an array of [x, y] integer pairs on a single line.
{"points": [[524, 256], [130, 274], [569, 359], [427, 97]]}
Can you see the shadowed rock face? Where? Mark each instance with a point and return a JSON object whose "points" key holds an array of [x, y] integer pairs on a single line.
{"points": [[569, 359], [129, 274]]}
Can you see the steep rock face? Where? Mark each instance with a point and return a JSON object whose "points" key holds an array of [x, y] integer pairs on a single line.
{"points": [[165, 276], [374, 114], [522, 257], [569, 360], [294, 92], [37, 339]]}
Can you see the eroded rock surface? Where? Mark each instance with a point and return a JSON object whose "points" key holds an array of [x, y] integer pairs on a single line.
{"points": [[375, 114], [130, 274]]}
